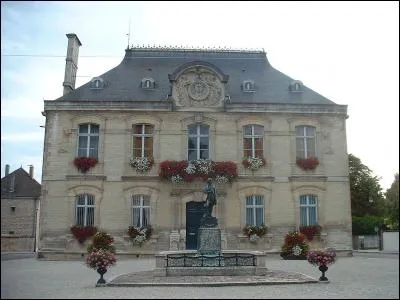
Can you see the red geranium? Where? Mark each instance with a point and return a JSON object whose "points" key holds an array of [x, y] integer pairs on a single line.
{"points": [[310, 231], [307, 163], [81, 233], [85, 163]]}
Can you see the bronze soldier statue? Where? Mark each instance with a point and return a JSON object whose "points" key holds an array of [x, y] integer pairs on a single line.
{"points": [[211, 199]]}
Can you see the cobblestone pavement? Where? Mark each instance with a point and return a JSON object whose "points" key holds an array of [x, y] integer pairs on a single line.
{"points": [[358, 277]]}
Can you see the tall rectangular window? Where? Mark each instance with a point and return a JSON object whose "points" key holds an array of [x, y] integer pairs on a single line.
{"points": [[253, 136], [198, 142], [308, 210], [143, 140], [88, 140], [140, 210], [84, 210], [255, 210], [305, 142]]}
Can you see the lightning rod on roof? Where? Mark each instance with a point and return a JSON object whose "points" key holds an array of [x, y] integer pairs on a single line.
{"points": [[129, 33]]}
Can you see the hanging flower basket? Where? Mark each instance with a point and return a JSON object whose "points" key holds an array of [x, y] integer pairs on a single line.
{"points": [[253, 163], [140, 234], [141, 164], [307, 163], [251, 230], [82, 233], [310, 231], [188, 171], [83, 164]]}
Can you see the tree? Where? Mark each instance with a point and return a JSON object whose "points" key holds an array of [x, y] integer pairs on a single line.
{"points": [[365, 190], [392, 203]]}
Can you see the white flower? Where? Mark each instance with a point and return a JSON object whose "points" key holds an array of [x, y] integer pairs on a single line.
{"points": [[253, 237], [203, 165], [297, 250], [139, 238], [221, 179], [142, 164], [177, 179], [255, 162], [190, 169]]}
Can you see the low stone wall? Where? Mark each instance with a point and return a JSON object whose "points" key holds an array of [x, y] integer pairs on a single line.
{"points": [[163, 269], [17, 244]]}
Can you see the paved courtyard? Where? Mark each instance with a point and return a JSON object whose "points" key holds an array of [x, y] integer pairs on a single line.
{"points": [[363, 276]]}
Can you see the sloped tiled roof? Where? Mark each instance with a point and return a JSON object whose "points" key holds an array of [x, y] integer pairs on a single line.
{"points": [[24, 185], [123, 81]]}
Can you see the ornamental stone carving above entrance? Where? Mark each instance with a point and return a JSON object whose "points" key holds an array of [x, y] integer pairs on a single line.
{"points": [[198, 86]]}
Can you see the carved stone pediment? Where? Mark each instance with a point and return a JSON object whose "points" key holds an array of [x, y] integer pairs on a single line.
{"points": [[198, 86]]}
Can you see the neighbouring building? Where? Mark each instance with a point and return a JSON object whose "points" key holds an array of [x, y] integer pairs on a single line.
{"points": [[186, 112], [20, 196]]}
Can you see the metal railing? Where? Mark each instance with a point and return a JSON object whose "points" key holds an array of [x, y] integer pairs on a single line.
{"points": [[190, 260]]}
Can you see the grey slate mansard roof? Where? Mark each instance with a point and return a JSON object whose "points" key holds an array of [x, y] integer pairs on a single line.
{"points": [[123, 81], [24, 185]]}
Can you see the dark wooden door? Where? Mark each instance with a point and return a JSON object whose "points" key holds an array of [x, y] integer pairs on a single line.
{"points": [[194, 212]]}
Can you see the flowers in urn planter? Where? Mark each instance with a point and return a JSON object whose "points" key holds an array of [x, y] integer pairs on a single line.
{"points": [[309, 163], [100, 259], [82, 233], [321, 257], [83, 164], [102, 240], [253, 163], [141, 164], [140, 234], [255, 232], [310, 231], [188, 171], [294, 246]]}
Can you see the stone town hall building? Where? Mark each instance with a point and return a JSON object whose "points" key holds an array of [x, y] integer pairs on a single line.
{"points": [[184, 110]]}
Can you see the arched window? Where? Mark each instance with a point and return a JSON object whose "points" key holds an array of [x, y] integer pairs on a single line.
{"points": [[255, 210], [88, 140], [305, 142], [253, 136], [143, 140], [140, 210], [198, 142], [308, 210], [84, 210]]}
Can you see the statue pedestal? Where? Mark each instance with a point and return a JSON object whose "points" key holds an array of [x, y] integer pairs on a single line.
{"points": [[209, 241]]}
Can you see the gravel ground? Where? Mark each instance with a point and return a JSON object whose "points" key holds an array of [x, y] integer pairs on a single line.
{"points": [[365, 276]]}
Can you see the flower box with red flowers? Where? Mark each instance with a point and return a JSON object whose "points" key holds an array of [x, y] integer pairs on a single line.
{"points": [[188, 171], [82, 233], [83, 164], [307, 163], [310, 231]]}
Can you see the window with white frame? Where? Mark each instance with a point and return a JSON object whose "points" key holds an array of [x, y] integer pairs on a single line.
{"points": [[88, 140], [255, 210], [253, 136], [140, 210], [198, 142], [143, 140], [305, 142], [84, 210], [308, 210]]}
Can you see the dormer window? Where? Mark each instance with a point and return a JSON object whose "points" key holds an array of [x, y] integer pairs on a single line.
{"points": [[97, 83], [148, 84], [248, 86], [296, 86]]}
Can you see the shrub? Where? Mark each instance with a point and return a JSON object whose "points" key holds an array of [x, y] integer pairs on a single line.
{"points": [[365, 225]]}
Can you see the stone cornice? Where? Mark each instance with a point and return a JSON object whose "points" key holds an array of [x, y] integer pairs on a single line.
{"points": [[85, 177], [164, 105]]}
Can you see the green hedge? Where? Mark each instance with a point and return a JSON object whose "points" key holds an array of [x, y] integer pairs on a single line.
{"points": [[365, 225]]}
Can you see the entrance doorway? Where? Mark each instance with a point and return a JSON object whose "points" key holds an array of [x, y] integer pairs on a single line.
{"points": [[194, 212]]}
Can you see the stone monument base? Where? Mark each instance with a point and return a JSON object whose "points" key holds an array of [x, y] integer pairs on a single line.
{"points": [[209, 241]]}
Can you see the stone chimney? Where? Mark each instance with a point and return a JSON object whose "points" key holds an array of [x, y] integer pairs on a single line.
{"points": [[31, 171], [7, 170], [71, 64]]}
